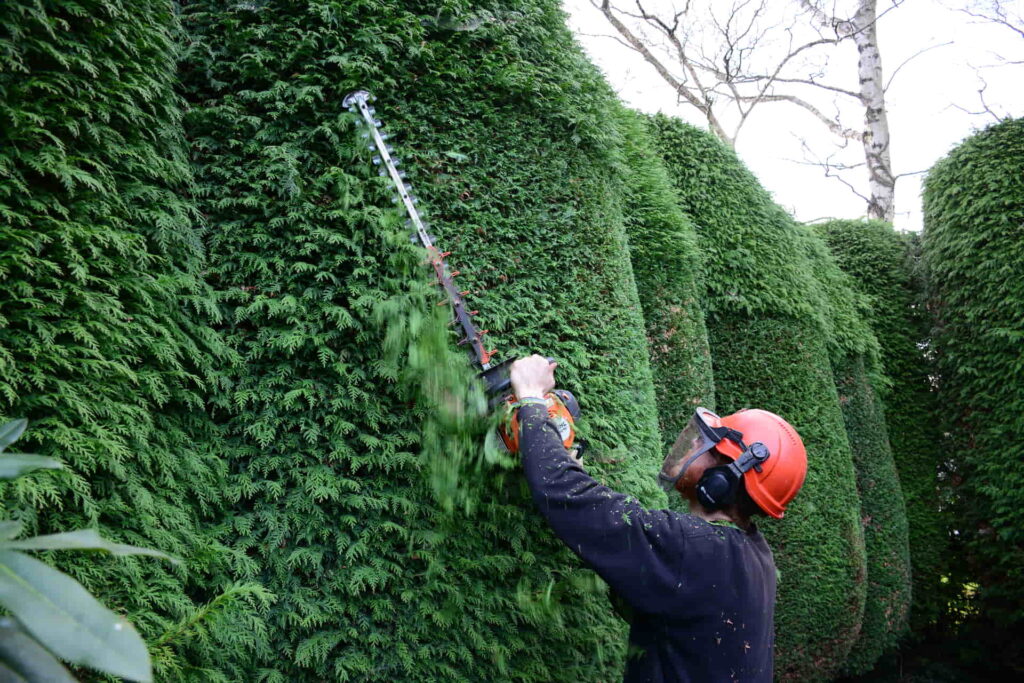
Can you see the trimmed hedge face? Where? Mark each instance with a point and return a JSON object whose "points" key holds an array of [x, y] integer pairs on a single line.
{"points": [[770, 350], [667, 268], [973, 244], [883, 516], [502, 125], [99, 345], [876, 257], [854, 358]]}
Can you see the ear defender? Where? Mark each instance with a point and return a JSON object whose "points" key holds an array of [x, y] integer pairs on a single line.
{"points": [[718, 485]]}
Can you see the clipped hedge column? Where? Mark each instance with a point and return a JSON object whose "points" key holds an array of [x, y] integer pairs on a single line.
{"points": [[503, 127], [856, 367], [667, 268], [878, 260], [973, 244], [769, 350], [100, 347]]}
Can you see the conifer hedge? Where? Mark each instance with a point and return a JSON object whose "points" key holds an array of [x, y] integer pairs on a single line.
{"points": [[769, 350], [880, 262], [854, 352], [667, 268], [503, 126], [102, 344], [973, 244]]}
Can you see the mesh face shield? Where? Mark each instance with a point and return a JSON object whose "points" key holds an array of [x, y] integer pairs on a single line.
{"points": [[697, 437]]}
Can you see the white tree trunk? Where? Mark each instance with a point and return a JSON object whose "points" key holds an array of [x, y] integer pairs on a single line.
{"points": [[882, 183]]}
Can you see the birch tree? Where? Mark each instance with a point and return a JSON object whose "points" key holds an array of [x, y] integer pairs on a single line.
{"points": [[727, 57]]}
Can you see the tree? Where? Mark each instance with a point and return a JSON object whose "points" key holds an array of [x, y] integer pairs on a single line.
{"points": [[999, 13], [725, 59]]}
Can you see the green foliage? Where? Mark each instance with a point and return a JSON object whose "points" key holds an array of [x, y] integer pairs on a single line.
{"points": [[99, 297], [973, 245], [854, 352], [880, 262], [502, 125], [51, 613], [770, 343], [883, 515], [667, 269]]}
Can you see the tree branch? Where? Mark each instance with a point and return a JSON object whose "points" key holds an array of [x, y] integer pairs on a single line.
{"points": [[910, 59], [846, 133], [999, 18]]}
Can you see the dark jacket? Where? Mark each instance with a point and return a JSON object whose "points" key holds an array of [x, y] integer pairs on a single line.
{"points": [[703, 595]]}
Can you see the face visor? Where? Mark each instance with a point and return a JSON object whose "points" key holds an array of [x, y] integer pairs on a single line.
{"points": [[701, 434]]}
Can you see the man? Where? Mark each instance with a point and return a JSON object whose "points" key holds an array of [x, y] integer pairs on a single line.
{"points": [[701, 586]]}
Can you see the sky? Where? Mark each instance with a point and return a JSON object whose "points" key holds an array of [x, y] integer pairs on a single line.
{"points": [[925, 102]]}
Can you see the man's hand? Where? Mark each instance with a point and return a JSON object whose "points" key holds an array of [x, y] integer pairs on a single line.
{"points": [[532, 376]]}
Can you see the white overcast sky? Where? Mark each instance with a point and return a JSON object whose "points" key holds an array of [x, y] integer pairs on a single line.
{"points": [[924, 122]]}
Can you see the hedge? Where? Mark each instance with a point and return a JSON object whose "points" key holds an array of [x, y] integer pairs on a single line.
{"points": [[102, 342], [769, 350], [667, 268], [856, 368], [880, 261], [973, 245], [502, 125]]}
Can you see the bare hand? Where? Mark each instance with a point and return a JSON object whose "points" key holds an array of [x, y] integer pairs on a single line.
{"points": [[532, 376]]}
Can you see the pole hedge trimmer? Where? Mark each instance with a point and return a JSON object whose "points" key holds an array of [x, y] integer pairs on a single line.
{"points": [[562, 406]]}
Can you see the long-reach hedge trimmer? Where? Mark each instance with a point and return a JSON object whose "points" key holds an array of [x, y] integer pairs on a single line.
{"points": [[562, 405]]}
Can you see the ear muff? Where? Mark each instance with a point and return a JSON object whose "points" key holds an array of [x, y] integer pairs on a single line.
{"points": [[718, 485]]}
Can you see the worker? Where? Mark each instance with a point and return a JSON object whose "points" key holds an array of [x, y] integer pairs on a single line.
{"points": [[701, 586]]}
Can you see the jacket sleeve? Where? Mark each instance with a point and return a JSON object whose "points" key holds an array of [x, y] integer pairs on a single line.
{"points": [[638, 552]]}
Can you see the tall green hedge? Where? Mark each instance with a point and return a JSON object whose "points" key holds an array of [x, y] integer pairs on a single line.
{"points": [[973, 245], [854, 352], [770, 350], [667, 268], [880, 263], [102, 345], [503, 127]]}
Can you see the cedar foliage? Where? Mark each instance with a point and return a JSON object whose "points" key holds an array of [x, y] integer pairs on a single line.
{"points": [[667, 269], [973, 245], [881, 264], [770, 349], [502, 126], [854, 352], [102, 346]]}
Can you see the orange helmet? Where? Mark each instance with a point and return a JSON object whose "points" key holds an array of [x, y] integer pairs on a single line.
{"points": [[776, 480], [765, 450]]}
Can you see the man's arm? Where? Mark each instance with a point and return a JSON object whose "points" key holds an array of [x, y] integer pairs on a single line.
{"points": [[637, 551]]}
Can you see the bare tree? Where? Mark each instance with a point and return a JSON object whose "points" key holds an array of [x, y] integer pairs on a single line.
{"points": [[1000, 12], [1008, 15], [726, 57]]}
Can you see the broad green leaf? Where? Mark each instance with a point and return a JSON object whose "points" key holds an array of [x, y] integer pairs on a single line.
{"points": [[17, 464], [9, 529], [25, 659], [71, 623], [83, 539], [11, 432]]}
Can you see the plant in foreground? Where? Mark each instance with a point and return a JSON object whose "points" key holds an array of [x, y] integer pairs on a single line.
{"points": [[50, 615]]}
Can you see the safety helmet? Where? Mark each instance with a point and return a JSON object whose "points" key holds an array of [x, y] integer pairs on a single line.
{"points": [[773, 466]]}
